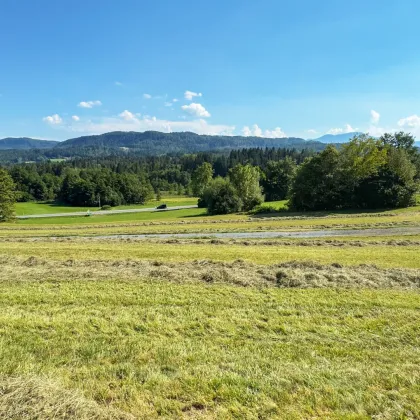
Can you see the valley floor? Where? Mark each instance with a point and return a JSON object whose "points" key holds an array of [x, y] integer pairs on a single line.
{"points": [[210, 328]]}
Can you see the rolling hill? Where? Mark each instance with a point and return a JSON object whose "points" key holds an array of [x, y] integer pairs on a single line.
{"points": [[146, 144], [154, 142], [25, 143], [337, 138]]}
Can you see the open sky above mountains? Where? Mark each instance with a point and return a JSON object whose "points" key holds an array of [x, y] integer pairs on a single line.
{"points": [[268, 69]]}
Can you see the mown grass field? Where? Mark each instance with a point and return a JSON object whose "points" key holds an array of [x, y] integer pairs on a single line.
{"points": [[381, 255], [201, 328], [28, 208], [155, 348]]}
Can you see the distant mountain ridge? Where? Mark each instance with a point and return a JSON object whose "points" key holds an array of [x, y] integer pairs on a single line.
{"points": [[337, 138], [25, 143], [148, 143]]}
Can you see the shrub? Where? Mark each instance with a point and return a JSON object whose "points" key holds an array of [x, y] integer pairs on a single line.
{"points": [[267, 208], [106, 207], [221, 197]]}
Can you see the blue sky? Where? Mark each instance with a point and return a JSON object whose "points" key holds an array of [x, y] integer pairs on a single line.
{"points": [[270, 67]]}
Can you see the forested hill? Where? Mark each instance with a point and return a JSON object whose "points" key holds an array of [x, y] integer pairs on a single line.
{"points": [[151, 143], [155, 142], [25, 143]]}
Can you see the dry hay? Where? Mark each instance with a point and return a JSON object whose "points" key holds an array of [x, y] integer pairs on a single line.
{"points": [[208, 240], [239, 272], [33, 397]]}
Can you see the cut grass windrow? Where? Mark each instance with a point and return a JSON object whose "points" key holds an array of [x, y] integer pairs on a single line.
{"points": [[380, 255]]}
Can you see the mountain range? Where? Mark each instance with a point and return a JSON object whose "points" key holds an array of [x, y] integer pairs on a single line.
{"points": [[150, 143], [337, 138], [142, 144], [25, 143]]}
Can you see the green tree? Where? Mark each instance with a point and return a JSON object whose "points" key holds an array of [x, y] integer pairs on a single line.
{"points": [[362, 157], [221, 197], [278, 178], [316, 185], [393, 185], [201, 178], [406, 142], [7, 196], [399, 140], [246, 180]]}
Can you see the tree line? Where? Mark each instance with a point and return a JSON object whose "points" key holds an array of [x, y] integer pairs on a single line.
{"points": [[150, 143], [364, 173], [115, 180]]}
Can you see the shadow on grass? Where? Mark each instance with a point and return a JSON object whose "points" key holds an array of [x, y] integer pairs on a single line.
{"points": [[320, 213]]}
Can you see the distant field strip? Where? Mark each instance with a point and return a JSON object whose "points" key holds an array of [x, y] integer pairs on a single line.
{"points": [[46, 207], [79, 250], [182, 221]]}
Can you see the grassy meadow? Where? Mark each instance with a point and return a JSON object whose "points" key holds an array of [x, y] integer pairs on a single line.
{"points": [[29, 208], [203, 328]]}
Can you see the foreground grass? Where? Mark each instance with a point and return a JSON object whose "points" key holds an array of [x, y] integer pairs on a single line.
{"points": [[380, 255], [53, 207], [121, 329], [206, 351]]}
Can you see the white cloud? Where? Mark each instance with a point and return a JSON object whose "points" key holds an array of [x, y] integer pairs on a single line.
{"points": [[347, 129], [374, 117], [147, 96], [75, 118], [311, 131], [188, 95], [174, 100], [118, 84], [89, 104], [53, 119], [256, 131], [127, 116], [335, 131], [277, 133], [168, 104], [376, 131], [196, 110], [410, 122], [127, 121]]}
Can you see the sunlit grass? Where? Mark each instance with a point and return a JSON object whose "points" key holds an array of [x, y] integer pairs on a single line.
{"points": [[380, 255], [158, 328], [28, 208], [216, 351]]}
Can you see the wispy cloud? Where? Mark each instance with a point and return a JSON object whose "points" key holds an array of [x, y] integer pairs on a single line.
{"points": [[128, 116], [196, 110], [75, 118], [374, 116], [147, 96], [118, 84], [129, 121], [256, 131], [53, 119], [347, 129], [410, 122], [188, 95], [89, 104]]}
